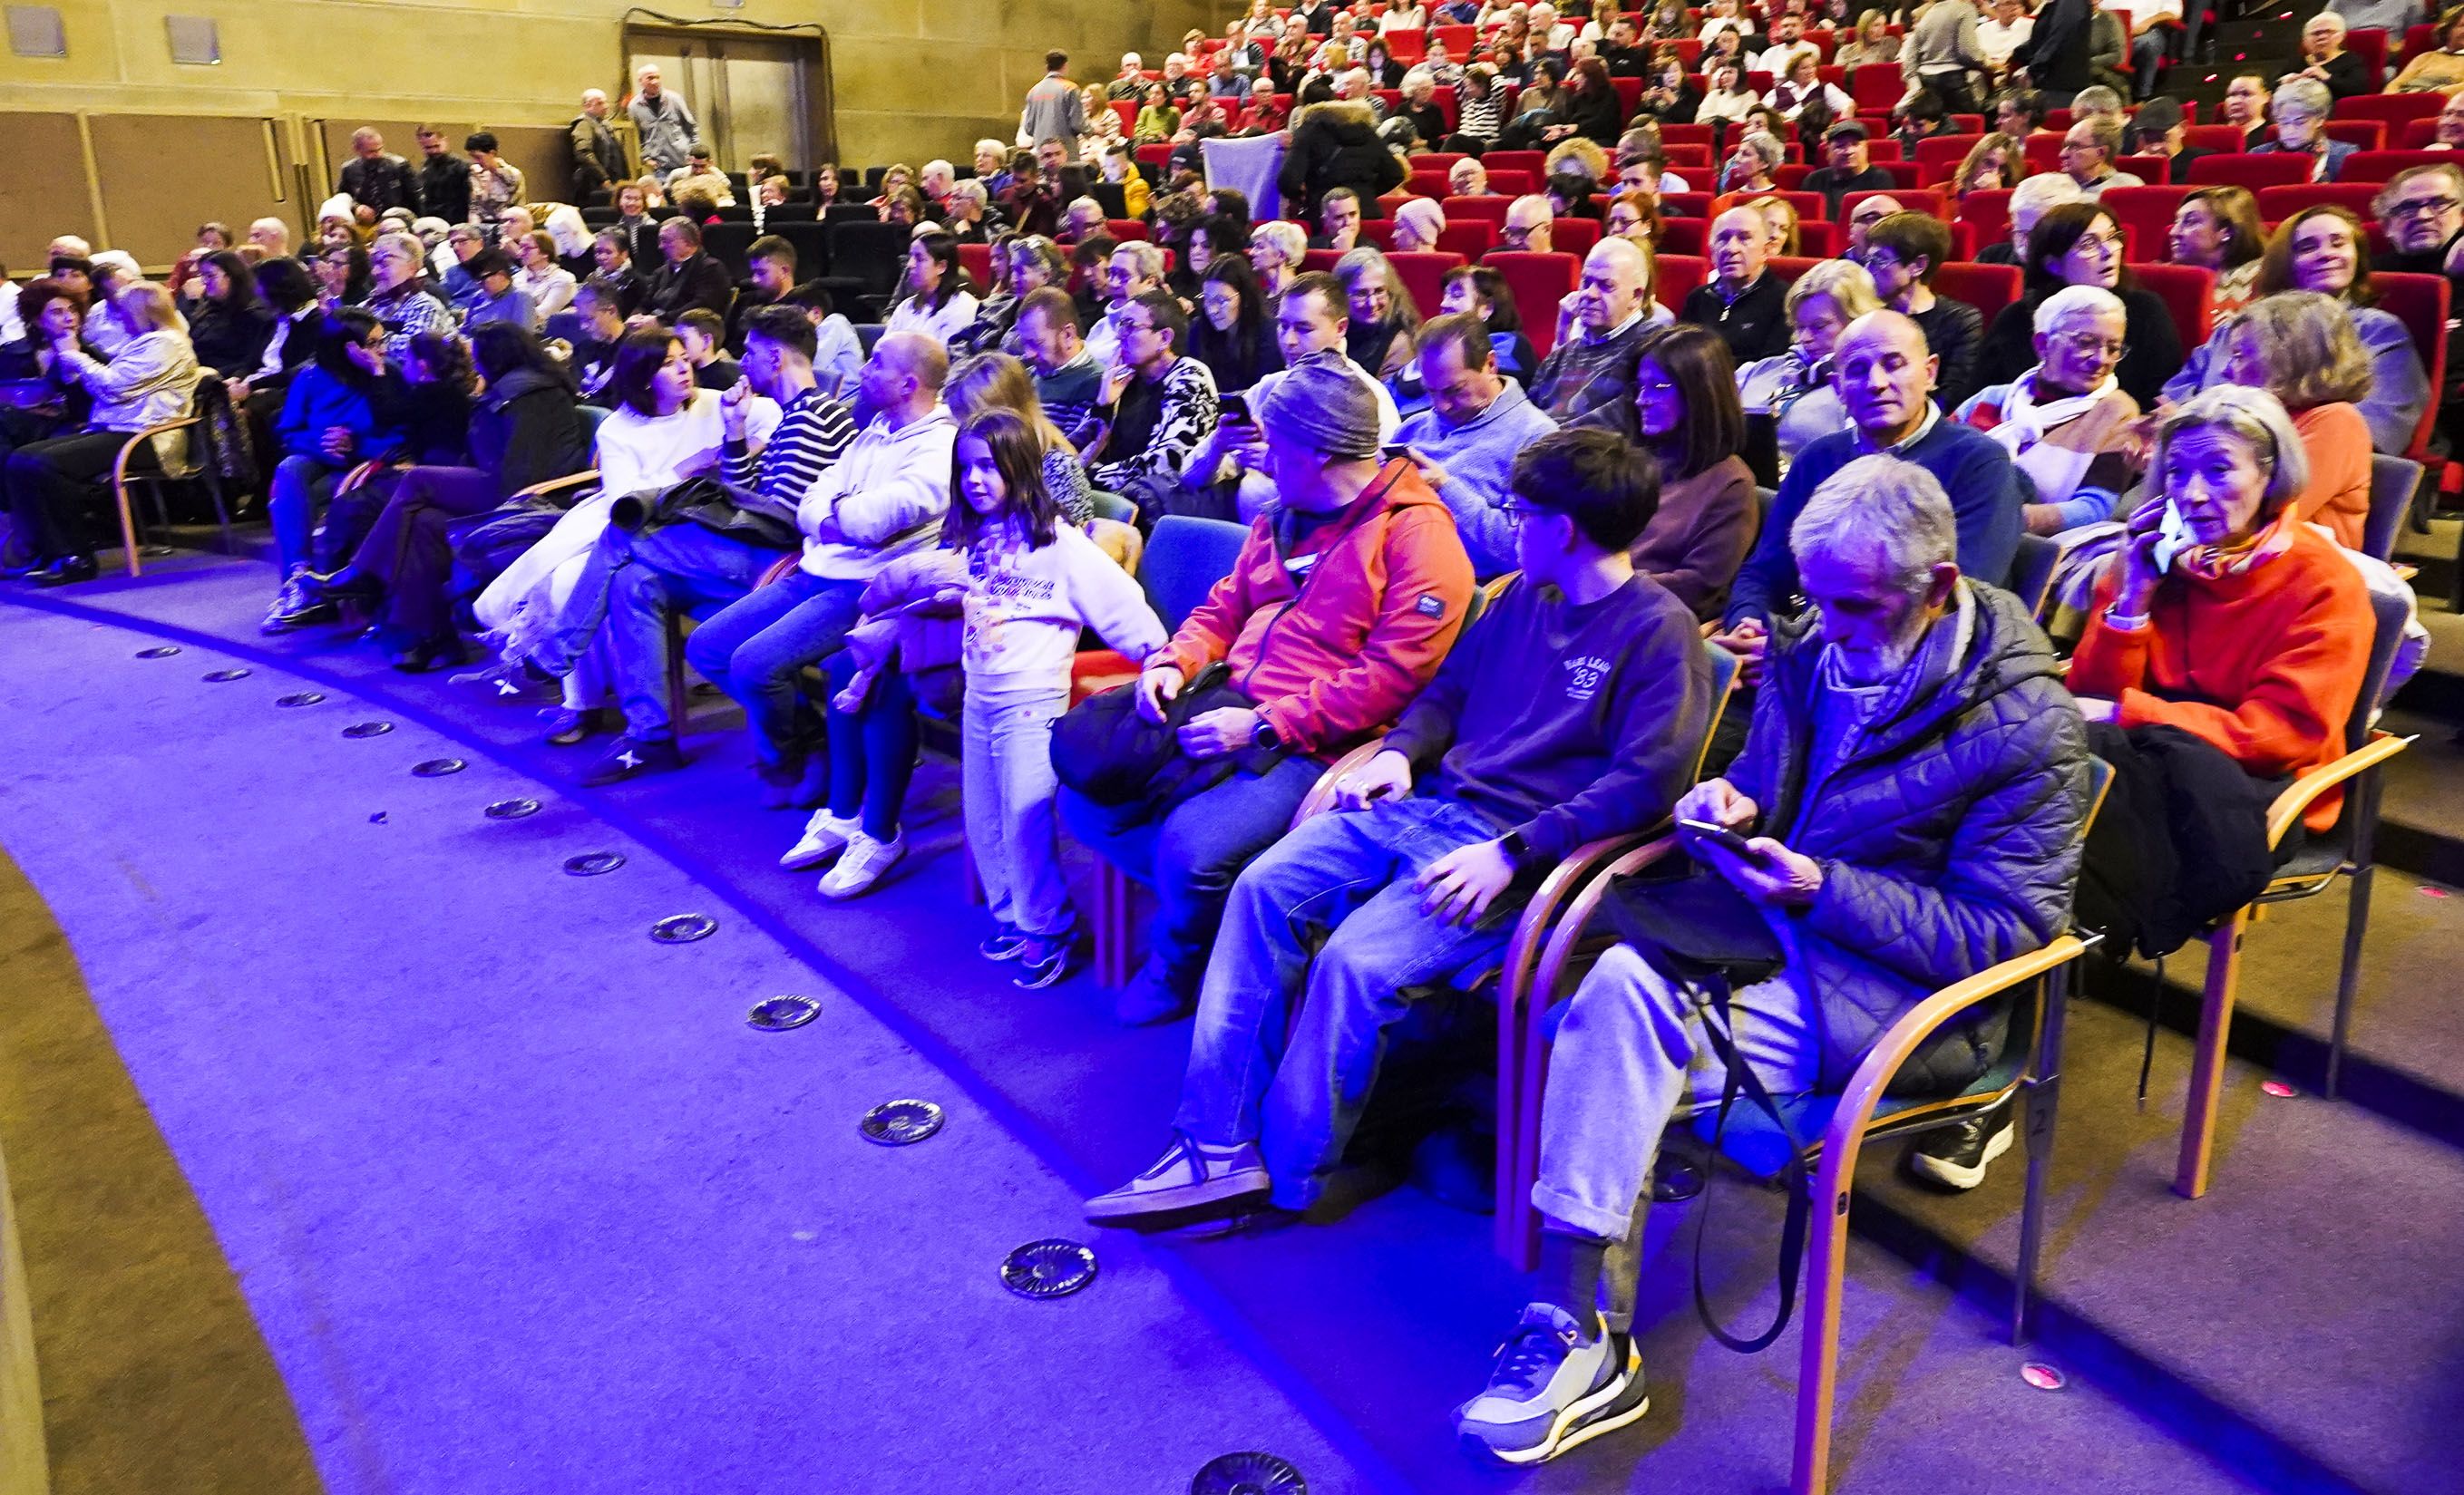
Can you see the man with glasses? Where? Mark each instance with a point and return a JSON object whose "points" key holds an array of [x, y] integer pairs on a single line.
{"points": [[2088, 149], [1526, 226], [1468, 441], [1869, 211], [2423, 211], [2301, 105], [1902, 252], [1851, 167], [1573, 711], [1156, 405], [2448, 134]]}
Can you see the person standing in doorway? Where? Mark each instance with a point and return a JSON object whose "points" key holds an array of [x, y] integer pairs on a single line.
{"points": [[666, 128]]}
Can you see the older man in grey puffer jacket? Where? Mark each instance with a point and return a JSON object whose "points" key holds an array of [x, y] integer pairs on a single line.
{"points": [[1915, 786]]}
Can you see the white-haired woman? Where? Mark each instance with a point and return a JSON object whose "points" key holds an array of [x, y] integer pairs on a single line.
{"points": [[1276, 250], [1794, 391], [1753, 166], [2224, 615], [1417, 224], [2067, 424], [151, 379]]}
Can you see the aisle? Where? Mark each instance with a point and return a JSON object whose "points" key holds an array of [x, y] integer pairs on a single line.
{"points": [[518, 1200]]}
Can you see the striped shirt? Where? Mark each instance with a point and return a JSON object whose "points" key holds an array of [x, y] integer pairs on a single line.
{"points": [[813, 433]]}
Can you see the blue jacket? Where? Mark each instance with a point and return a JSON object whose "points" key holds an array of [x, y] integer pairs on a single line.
{"points": [[2337, 152], [1973, 467], [319, 401]]}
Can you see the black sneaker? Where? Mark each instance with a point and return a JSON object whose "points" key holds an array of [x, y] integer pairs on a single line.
{"points": [[1003, 943], [1955, 1158], [630, 758], [66, 570], [1043, 959]]}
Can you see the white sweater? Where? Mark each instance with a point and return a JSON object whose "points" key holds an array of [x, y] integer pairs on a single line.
{"points": [[638, 451], [1026, 606], [883, 498]]}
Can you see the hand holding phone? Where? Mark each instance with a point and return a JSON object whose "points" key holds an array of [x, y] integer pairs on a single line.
{"points": [[1716, 834]]}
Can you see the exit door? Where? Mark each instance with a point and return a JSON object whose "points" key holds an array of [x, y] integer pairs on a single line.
{"points": [[750, 95]]}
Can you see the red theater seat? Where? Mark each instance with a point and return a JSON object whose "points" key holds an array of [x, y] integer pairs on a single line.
{"points": [[2250, 170], [1539, 281], [1989, 288], [2188, 293]]}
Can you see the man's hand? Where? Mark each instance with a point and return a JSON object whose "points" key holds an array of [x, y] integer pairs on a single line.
{"points": [[1750, 641], [1717, 801], [337, 443], [1459, 886], [733, 403], [1226, 729], [1156, 685], [1386, 776], [1116, 382], [1769, 873]]}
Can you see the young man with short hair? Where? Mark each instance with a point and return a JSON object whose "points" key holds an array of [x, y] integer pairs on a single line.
{"points": [[704, 336]]}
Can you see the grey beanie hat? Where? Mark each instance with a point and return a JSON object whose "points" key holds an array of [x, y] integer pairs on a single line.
{"points": [[1327, 407]]}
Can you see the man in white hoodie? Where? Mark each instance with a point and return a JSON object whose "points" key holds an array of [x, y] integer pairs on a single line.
{"points": [[883, 499]]}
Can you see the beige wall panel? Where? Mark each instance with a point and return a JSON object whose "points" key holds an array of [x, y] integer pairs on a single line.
{"points": [[42, 180], [163, 176]]}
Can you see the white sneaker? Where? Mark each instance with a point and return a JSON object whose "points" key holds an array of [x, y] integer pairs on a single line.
{"points": [[824, 835], [862, 864]]}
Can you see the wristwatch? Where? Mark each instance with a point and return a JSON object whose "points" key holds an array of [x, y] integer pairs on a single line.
{"points": [[1517, 850], [1266, 737]]}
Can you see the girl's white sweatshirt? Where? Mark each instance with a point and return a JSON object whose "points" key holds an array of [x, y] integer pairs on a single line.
{"points": [[1025, 607]]}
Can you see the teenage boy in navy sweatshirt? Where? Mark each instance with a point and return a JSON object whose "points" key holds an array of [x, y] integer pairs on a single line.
{"points": [[1574, 710]]}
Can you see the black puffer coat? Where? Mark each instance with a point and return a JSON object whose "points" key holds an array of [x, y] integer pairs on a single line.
{"points": [[1335, 145], [1949, 835]]}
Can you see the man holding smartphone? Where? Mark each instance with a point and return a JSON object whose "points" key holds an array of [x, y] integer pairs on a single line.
{"points": [[1574, 710], [1907, 813]]}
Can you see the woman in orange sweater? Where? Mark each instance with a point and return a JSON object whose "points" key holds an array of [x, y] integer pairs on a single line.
{"points": [[2239, 623], [2300, 346]]}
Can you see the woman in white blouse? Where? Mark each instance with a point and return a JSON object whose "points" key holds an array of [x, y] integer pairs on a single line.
{"points": [[549, 285], [1804, 86], [938, 303]]}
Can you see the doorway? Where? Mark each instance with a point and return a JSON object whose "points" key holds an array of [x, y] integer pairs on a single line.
{"points": [[751, 95]]}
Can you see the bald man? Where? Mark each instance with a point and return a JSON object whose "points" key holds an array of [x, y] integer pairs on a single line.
{"points": [[1588, 378], [377, 178], [598, 155], [1742, 302], [883, 499], [1870, 212], [1887, 378], [1526, 226]]}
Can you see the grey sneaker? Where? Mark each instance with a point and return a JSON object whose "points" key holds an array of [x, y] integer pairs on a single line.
{"points": [[1550, 1390], [1187, 1177]]}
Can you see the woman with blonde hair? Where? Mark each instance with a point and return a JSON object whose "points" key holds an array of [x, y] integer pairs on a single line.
{"points": [[998, 382], [2300, 346], [1996, 161], [1786, 234], [1383, 317], [1793, 390], [1872, 44]]}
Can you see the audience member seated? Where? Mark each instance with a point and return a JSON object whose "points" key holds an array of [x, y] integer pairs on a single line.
{"points": [[704, 336], [1068, 382], [2160, 128], [498, 294], [1156, 408], [1417, 224], [2080, 244], [1946, 841], [548, 284], [2030, 201], [230, 323], [1903, 254], [523, 430], [1688, 417], [1234, 332], [1886, 377], [1526, 227], [1752, 163], [2325, 249], [1859, 223], [2089, 152], [938, 304], [2217, 229], [688, 277], [1130, 270], [1382, 317], [883, 498], [1588, 378], [1742, 302], [2301, 347], [1795, 391], [1320, 668], [1467, 442], [151, 379], [1484, 293], [397, 296], [2069, 426], [2301, 108], [345, 409], [769, 275], [1574, 710], [1339, 222], [2225, 617]]}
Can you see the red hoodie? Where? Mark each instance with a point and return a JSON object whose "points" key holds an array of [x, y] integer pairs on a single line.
{"points": [[1333, 653]]}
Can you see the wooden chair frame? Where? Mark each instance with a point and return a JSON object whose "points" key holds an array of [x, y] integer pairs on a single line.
{"points": [[122, 478]]}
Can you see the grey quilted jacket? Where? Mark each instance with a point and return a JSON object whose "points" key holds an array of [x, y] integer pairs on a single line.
{"points": [[1948, 834]]}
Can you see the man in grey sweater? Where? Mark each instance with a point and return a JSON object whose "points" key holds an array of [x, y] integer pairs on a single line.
{"points": [[1574, 709], [1943, 55], [666, 128], [1467, 441], [1054, 109]]}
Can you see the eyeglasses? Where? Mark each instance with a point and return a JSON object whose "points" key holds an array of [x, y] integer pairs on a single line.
{"points": [[1516, 510], [2096, 244], [2432, 207], [2089, 345]]}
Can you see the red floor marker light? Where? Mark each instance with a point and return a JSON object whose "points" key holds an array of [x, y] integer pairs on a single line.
{"points": [[2043, 1376]]}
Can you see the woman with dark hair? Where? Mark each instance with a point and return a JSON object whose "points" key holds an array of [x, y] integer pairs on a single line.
{"points": [[525, 428], [938, 303], [2326, 250], [342, 276], [1591, 109], [1382, 316], [1686, 410], [2080, 244], [1668, 93], [1485, 292], [336, 416], [1384, 72], [2218, 228], [230, 323], [1233, 335]]}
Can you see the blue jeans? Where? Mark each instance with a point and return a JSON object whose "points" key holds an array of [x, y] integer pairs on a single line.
{"points": [[757, 647], [630, 585], [301, 488], [1006, 781], [1349, 872], [1190, 855], [872, 751]]}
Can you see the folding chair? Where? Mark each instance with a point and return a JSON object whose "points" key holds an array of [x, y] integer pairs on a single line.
{"points": [[186, 465]]}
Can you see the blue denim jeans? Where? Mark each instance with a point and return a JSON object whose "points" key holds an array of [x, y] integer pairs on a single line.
{"points": [[301, 488], [757, 647], [1348, 874], [630, 585], [1006, 782], [872, 750], [1190, 855]]}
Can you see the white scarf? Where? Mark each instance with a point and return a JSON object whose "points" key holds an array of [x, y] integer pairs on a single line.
{"points": [[2025, 425]]}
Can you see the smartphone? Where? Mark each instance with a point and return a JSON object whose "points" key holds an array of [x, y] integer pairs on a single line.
{"points": [[2172, 537], [1394, 449], [1717, 834], [1235, 407]]}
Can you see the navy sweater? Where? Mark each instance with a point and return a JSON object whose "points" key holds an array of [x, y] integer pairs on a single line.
{"points": [[1973, 469], [1566, 723]]}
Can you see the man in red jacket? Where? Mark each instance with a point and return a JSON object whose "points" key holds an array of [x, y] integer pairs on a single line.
{"points": [[1343, 603]]}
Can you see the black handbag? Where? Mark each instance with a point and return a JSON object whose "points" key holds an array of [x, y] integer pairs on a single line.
{"points": [[1702, 935], [1106, 751]]}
